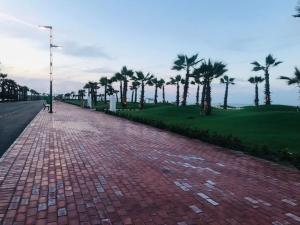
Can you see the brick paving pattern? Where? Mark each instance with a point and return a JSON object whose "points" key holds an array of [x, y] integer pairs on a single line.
{"points": [[78, 166]]}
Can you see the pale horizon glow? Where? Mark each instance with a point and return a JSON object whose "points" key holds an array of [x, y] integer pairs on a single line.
{"points": [[99, 37]]}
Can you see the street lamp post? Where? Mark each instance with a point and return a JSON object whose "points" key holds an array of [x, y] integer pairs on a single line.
{"points": [[51, 60]]}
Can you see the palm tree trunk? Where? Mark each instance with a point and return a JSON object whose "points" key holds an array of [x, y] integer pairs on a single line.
{"points": [[256, 100], [197, 94], [132, 95], [177, 94], [142, 95], [117, 97], [267, 88], [121, 92], [186, 87], [105, 93], [163, 93], [203, 95], [155, 95], [124, 102], [226, 96], [135, 95], [207, 102]]}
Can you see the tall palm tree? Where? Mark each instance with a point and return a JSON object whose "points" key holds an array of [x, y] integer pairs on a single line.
{"points": [[176, 81], [104, 82], [127, 74], [183, 62], [144, 79], [155, 83], [270, 61], [210, 71], [256, 80], [227, 81], [293, 80]]}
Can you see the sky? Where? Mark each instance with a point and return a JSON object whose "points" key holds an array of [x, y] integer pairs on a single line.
{"points": [[100, 36]]}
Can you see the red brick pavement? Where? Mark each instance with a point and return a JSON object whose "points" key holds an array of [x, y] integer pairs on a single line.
{"points": [[78, 166]]}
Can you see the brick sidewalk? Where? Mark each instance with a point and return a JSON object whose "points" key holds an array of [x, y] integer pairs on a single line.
{"points": [[83, 167]]}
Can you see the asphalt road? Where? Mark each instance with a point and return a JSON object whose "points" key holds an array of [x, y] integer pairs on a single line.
{"points": [[14, 117]]}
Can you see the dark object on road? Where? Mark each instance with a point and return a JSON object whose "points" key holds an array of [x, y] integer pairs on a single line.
{"points": [[14, 117]]}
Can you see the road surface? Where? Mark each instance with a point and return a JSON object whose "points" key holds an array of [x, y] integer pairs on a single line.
{"points": [[78, 166], [14, 117]]}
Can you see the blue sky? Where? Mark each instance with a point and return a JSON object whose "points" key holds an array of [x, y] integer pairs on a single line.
{"points": [[99, 37]]}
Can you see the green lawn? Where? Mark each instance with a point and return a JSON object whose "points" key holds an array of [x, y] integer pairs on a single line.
{"points": [[276, 126]]}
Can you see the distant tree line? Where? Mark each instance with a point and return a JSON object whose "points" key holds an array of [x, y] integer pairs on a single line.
{"points": [[11, 91]]}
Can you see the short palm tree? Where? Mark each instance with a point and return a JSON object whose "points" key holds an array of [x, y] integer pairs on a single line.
{"points": [[183, 62], [227, 81], [269, 62], [144, 79], [293, 80], [256, 80], [176, 81], [104, 82]]}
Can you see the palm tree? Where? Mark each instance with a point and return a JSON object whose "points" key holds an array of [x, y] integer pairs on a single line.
{"points": [[92, 86], [161, 85], [155, 82], [183, 62], [119, 77], [134, 87], [145, 79], [127, 74], [298, 11], [81, 94], [270, 61], [293, 80], [176, 81], [198, 75], [210, 71], [104, 81], [227, 81], [256, 80], [123, 77]]}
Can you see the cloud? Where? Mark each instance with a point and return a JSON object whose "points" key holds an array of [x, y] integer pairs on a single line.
{"points": [[6, 17], [90, 51]]}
